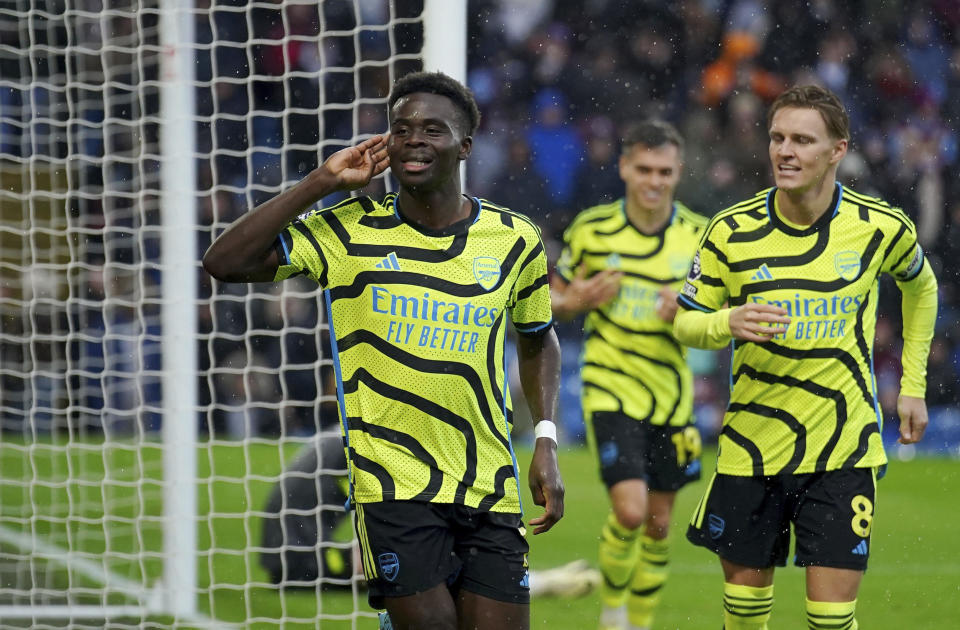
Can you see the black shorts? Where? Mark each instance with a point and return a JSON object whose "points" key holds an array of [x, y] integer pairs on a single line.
{"points": [[409, 547], [747, 520], [666, 457]]}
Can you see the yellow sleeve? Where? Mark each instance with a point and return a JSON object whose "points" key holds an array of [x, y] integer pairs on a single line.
{"points": [[919, 308], [703, 330], [530, 309]]}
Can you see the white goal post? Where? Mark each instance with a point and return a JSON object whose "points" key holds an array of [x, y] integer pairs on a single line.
{"points": [[147, 411]]}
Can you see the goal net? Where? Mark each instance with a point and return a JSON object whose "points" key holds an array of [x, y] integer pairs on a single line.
{"points": [[163, 438]]}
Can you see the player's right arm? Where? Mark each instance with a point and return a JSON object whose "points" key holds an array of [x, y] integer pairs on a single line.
{"points": [[572, 292], [703, 320], [539, 366], [748, 322], [583, 294], [919, 310], [245, 252]]}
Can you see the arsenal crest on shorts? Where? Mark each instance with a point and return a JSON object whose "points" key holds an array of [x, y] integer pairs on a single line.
{"points": [[715, 525], [389, 565]]}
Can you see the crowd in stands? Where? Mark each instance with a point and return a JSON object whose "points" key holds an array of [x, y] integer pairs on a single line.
{"points": [[556, 82], [557, 85]]}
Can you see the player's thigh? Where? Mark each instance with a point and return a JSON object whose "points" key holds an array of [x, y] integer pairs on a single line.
{"points": [[673, 461], [493, 551], [406, 548], [621, 443], [743, 520], [673, 456], [826, 584], [433, 609], [834, 519], [476, 612]]}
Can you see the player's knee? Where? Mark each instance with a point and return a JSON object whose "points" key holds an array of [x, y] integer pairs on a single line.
{"points": [[657, 526], [630, 515]]}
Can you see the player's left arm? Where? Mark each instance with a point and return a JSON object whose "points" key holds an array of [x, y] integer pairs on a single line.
{"points": [[539, 363], [538, 354], [919, 308]]}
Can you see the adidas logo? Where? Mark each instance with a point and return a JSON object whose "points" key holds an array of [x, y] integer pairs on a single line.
{"points": [[860, 549], [762, 273], [390, 262]]}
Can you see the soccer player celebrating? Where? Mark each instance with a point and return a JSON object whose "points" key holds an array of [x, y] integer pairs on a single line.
{"points": [[791, 277], [622, 265], [419, 288]]}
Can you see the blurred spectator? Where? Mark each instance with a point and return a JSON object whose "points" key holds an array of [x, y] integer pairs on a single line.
{"points": [[942, 374], [557, 148], [515, 19], [520, 188], [606, 86], [655, 54], [550, 51], [598, 178], [886, 366], [924, 147], [927, 56], [795, 29], [833, 62], [735, 70], [746, 140]]}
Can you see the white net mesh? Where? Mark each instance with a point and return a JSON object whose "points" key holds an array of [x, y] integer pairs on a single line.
{"points": [[278, 86]]}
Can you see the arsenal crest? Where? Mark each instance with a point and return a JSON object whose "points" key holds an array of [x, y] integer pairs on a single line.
{"points": [[389, 565], [486, 270], [715, 525], [847, 265]]}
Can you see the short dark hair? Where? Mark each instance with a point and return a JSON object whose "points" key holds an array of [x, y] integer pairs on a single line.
{"points": [[439, 83], [822, 100], [651, 134]]}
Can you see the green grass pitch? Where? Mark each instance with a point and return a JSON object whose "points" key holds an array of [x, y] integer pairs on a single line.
{"points": [[913, 581]]}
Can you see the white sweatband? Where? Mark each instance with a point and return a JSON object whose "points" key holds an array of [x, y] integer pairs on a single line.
{"points": [[547, 429]]}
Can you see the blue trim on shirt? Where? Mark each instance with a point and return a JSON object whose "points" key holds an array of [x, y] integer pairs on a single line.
{"points": [[873, 376], [506, 426], [768, 204], [476, 200], [733, 348], [773, 191], [286, 252], [533, 330], [340, 399], [691, 304], [623, 209]]}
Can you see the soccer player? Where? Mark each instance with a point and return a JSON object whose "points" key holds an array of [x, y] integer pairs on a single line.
{"points": [[622, 265], [790, 276], [419, 288]]}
